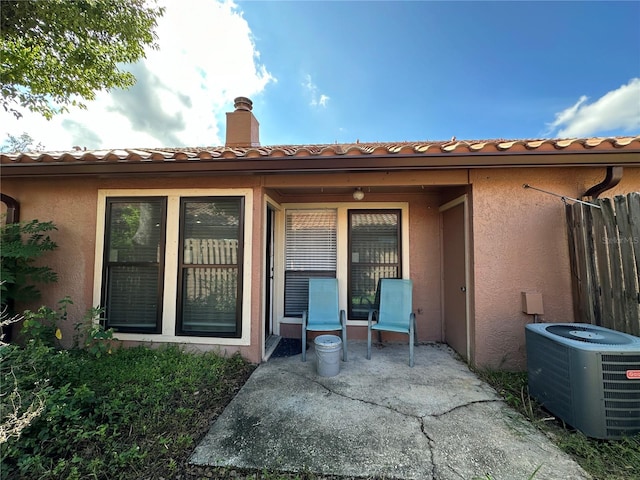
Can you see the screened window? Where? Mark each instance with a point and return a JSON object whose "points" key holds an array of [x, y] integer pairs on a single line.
{"points": [[310, 251], [210, 266], [374, 253], [134, 264]]}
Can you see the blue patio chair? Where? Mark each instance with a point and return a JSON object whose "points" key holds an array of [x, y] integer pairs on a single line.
{"points": [[394, 313], [323, 314]]}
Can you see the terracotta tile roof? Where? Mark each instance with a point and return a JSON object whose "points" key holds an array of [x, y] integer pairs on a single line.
{"points": [[426, 148], [332, 158]]}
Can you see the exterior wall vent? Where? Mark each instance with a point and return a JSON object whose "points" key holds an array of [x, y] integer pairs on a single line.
{"points": [[588, 376]]}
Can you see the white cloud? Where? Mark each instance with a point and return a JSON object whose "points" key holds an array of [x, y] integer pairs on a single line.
{"points": [[316, 100], [323, 100], [206, 58], [617, 110]]}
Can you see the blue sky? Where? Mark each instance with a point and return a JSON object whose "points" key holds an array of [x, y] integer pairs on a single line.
{"points": [[335, 71]]}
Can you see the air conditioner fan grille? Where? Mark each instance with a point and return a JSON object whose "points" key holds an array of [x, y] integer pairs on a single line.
{"points": [[589, 335]]}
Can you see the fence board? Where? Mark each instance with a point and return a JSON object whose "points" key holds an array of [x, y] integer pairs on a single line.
{"points": [[574, 262], [634, 221], [630, 288], [582, 267], [593, 288], [604, 271], [587, 307], [617, 285], [604, 251]]}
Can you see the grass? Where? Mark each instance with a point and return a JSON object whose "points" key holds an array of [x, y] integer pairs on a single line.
{"points": [[603, 459]]}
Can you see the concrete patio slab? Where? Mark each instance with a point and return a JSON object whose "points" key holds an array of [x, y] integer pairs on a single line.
{"points": [[380, 418]]}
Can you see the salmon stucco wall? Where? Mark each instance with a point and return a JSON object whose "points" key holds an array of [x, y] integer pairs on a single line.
{"points": [[520, 245], [425, 254], [71, 205]]}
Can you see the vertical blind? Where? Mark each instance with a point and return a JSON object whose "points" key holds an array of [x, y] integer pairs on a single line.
{"points": [[310, 251]]}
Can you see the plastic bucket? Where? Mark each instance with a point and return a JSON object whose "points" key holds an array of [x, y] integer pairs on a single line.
{"points": [[328, 354]]}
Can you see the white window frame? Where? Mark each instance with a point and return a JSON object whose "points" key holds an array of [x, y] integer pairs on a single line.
{"points": [[169, 301], [342, 251]]}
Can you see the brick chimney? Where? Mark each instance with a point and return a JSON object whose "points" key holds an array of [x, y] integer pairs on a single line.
{"points": [[243, 129]]}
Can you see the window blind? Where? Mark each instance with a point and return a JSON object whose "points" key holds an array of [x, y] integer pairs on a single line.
{"points": [[310, 251]]}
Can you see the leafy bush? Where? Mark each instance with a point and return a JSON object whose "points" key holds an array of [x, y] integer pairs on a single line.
{"points": [[92, 336], [43, 326], [22, 244]]}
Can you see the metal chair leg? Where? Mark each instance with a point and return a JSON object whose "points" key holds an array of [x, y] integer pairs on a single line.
{"points": [[412, 332], [304, 340]]}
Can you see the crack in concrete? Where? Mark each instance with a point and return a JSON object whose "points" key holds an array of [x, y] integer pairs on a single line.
{"points": [[353, 398], [430, 441], [432, 445], [368, 402], [468, 404], [421, 419]]}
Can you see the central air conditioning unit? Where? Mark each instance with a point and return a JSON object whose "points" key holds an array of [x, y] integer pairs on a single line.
{"points": [[588, 376]]}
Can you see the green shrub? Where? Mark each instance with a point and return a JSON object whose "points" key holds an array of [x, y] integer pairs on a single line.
{"points": [[43, 326], [92, 336], [22, 244]]}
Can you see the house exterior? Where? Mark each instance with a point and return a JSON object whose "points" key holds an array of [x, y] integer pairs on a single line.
{"points": [[212, 247]]}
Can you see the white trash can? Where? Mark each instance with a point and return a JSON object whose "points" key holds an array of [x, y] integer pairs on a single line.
{"points": [[328, 354]]}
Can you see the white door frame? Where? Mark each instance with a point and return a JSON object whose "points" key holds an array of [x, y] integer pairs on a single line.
{"points": [[270, 207]]}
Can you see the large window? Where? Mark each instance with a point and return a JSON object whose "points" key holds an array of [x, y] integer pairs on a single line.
{"points": [[133, 264], [310, 251], [142, 243], [210, 268], [374, 253]]}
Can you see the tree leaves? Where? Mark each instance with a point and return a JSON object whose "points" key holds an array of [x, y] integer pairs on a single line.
{"points": [[57, 54], [22, 143]]}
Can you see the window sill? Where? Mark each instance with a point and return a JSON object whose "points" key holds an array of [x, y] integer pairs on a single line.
{"points": [[160, 338]]}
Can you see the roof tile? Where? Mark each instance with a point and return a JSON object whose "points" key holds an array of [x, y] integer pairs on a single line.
{"points": [[424, 148]]}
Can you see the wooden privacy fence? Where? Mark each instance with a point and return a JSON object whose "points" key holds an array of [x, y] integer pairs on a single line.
{"points": [[604, 251]]}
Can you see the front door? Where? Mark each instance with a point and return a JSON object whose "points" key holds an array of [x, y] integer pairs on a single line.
{"points": [[456, 327]]}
